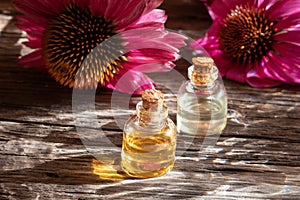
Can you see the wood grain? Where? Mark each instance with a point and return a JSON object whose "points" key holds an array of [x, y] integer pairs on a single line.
{"points": [[43, 157]]}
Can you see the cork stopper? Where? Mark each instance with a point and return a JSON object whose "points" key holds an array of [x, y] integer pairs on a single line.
{"points": [[203, 72], [152, 109], [205, 63], [153, 99]]}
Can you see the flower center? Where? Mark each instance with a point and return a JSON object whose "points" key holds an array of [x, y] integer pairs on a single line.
{"points": [[68, 41], [247, 35]]}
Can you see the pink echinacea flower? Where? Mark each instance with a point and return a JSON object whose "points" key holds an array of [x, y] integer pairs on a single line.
{"points": [[64, 32], [255, 41]]}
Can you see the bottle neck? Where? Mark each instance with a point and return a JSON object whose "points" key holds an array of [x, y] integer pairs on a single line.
{"points": [[150, 118]]}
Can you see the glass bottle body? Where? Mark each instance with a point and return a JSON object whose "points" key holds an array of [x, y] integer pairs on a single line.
{"points": [[202, 110], [148, 151]]}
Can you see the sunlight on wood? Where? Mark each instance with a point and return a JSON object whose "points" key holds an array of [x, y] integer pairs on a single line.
{"points": [[4, 20]]}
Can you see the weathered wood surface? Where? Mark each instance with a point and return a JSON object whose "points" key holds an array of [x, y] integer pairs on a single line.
{"points": [[42, 156]]}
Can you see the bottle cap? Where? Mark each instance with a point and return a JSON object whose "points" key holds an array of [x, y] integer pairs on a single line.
{"points": [[152, 99], [203, 72], [205, 63], [152, 109]]}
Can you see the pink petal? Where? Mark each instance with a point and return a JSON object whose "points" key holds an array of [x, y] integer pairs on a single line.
{"points": [[156, 25], [218, 9], [275, 7], [33, 59], [131, 19], [143, 34], [152, 4], [133, 6], [291, 22], [221, 8], [211, 45], [55, 6], [266, 4], [34, 43], [131, 82], [31, 13], [149, 67], [140, 15], [124, 13], [270, 69], [154, 44], [266, 69], [292, 37], [30, 27], [98, 7], [283, 8], [31, 45], [39, 9], [153, 38], [118, 9], [35, 39], [60, 5], [233, 3], [82, 3], [214, 29], [34, 32], [175, 39], [255, 80], [150, 60], [156, 15], [288, 51], [221, 61], [148, 38], [237, 72], [263, 71], [150, 55], [284, 69]]}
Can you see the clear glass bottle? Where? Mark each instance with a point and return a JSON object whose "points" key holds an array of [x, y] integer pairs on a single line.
{"points": [[149, 138], [202, 100]]}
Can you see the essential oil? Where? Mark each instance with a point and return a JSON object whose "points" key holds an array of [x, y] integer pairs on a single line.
{"points": [[149, 138], [202, 100]]}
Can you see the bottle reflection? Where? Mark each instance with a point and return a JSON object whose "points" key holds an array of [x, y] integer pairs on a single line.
{"points": [[110, 172]]}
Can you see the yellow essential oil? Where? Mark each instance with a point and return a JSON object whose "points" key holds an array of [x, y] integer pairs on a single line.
{"points": [[149, 139]]}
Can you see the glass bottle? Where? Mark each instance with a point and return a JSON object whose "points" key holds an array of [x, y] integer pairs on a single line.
{"points": [[149, 138], [202, 100]]}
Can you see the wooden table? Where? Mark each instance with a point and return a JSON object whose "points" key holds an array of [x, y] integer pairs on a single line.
{"points": [[42, 156]]}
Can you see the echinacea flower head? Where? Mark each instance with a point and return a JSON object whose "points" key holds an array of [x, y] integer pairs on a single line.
{"points": [[255, 41], [63, 33]]}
